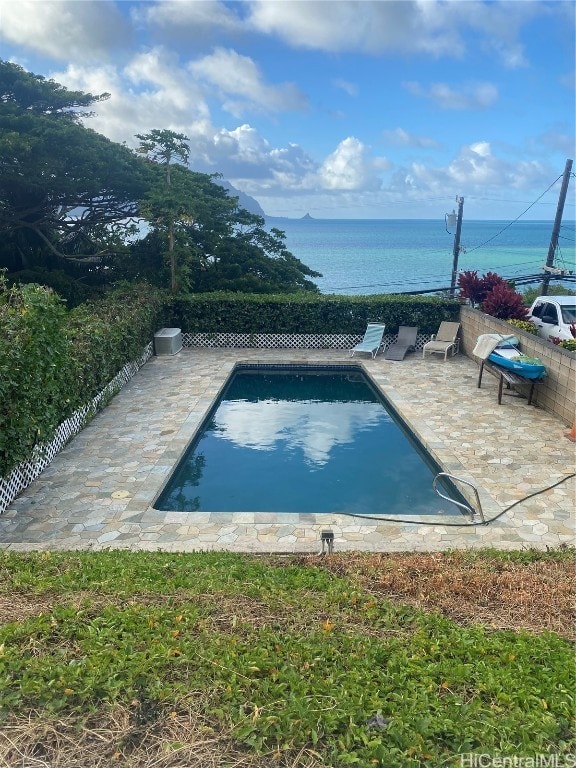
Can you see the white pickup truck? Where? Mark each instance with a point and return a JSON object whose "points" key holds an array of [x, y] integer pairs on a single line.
{"points": [[553, 316]]}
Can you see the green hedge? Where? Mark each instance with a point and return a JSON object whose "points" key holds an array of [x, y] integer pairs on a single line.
{"points": [[52, 361], [303, 313], [34, 357], [107, 334]]}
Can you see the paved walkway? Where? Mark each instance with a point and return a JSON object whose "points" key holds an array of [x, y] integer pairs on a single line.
{"points": [[98, 491]]}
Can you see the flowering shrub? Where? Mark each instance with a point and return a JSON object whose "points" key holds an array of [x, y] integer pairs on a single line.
{"points": [[477, 288], [524, 325], [503, 302], [569, 344]]}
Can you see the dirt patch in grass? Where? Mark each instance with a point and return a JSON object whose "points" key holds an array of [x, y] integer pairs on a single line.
{"points": [[126, 739], [500, 594]]}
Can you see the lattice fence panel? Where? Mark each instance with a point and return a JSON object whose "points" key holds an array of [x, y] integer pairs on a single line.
{"points": [[270, 340], [283, 340], [21, 477]]}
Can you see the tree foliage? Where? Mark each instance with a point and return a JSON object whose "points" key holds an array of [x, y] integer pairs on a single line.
{"points": [[40, 96], [164, 147], [216, 245], [67, 193], [166, 204], [71, 201]]}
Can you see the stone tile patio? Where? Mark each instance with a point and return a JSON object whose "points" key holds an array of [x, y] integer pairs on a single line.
{"points": [[98, 493]]}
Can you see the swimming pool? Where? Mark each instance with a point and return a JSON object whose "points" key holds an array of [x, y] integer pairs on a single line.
{"points": [[305, 439]]}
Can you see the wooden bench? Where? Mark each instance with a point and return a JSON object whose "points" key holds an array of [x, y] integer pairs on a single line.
{"points": [[504, 375]]}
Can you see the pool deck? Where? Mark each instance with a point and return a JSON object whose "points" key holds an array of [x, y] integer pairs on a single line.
{"points": [[97, 493]]}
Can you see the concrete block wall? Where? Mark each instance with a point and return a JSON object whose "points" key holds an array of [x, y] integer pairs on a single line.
{"points": [[557, 393]]}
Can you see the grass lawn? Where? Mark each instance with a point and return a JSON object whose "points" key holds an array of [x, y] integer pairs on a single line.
{"points": [[219, 659]]}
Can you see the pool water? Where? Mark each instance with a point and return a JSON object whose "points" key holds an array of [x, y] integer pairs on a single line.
{"points": [[303, 440]]}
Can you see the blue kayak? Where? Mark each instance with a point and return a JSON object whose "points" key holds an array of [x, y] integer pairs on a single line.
{"points": [[522, 365]]}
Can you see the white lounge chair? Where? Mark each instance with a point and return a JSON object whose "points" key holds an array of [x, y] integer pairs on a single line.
{"points": [[446, 340], [372, 340]]}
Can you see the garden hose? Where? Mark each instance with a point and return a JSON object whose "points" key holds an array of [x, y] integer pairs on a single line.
{"points": [[460, 525]]}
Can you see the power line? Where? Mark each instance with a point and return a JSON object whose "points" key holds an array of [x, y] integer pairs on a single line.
{"points": [[517, 218]]}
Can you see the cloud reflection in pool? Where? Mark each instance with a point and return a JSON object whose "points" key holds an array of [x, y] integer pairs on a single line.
{"points": [[315, 428]]}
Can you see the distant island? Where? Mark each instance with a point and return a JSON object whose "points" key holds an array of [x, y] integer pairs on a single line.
{"points": [[306, 216]]}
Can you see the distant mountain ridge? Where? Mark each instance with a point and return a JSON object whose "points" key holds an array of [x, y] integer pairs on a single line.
{"points": [[244, 200]]}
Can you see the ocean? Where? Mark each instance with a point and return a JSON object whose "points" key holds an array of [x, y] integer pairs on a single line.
{"points": [[367, 256]]}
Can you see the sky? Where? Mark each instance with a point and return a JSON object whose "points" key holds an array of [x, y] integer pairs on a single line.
{"points": [[332, 108]]}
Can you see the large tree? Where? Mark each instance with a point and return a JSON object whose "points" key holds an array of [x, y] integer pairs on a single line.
{"points": [[70, 199], [218, 245], [67, 194], [165, 204]]}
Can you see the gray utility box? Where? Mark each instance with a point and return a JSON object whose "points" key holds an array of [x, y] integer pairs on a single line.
{"points": [[167, 341]]}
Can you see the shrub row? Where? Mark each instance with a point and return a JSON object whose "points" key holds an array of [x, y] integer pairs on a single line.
{"points": [[306, 314], [53, 361]]}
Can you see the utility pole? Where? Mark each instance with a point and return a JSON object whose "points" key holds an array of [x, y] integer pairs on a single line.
{"points": [[456, 251], [556, 228]]}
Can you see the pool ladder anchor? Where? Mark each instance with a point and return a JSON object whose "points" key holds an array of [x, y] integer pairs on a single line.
{"points": [[476, 515]]}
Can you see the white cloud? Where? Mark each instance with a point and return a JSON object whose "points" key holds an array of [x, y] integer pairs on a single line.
{"points": [[251, 164], [151, 92], [243, 151], [476, 166], [241, 84], [194, 20], [435, 27], [92, 28], [402, 138], [476, 170], [158, 72], [85, 31], [351, 167], [184, 87], [469, 96], [344, 85], [559, 141], [368, 26]]}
